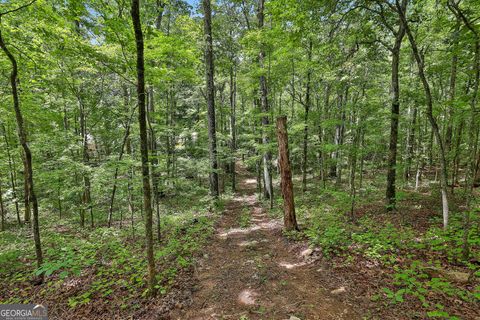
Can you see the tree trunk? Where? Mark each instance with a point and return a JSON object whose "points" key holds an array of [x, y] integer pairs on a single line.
{"points": [[289, 218], [210, 95], [147, 195], [155, 176], [456, 154], [86, 196], [305, 121], [267, 157], [22, 135], [2, 209], [27, 210], [411, 144], [395, 114], [233, 102], [353, 170]]}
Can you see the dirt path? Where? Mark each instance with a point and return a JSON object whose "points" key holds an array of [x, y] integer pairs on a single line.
{"points": [[254, 273]]}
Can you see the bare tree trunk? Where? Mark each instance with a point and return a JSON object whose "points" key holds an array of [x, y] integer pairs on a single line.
{"points": [[395, 114], [289, 218], [142, 120], [210, 95], [22, 135]]}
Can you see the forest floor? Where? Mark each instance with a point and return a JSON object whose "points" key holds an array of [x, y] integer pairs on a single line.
{"points": [[231, 260], [250, 270]]}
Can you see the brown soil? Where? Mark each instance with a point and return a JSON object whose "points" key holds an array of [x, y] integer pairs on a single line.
{"points": [[256, 273]]}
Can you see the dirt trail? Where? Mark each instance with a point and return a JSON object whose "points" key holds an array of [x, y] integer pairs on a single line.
{"points": [[254, 273]]}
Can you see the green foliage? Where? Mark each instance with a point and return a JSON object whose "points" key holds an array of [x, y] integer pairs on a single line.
{"points": [[394, 246], [77, 76], [244, 218]]}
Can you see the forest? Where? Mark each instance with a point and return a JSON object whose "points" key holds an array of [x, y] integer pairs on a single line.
{"points": [[240, 159]]}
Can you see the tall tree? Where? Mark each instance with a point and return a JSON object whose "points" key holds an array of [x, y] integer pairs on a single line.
{"points": [[265, 108], [142, 120], [395, 114], [210, 96], [22, 136]]}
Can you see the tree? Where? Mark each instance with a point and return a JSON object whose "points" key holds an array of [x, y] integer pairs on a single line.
{"points": [[210, 96], [392, 155], [142, 120], [267, 157], [22, 136]]}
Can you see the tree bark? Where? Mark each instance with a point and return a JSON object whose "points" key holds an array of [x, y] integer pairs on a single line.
{"points": [[289, 218], [395, 114], [210, 95], [147, 195]]}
